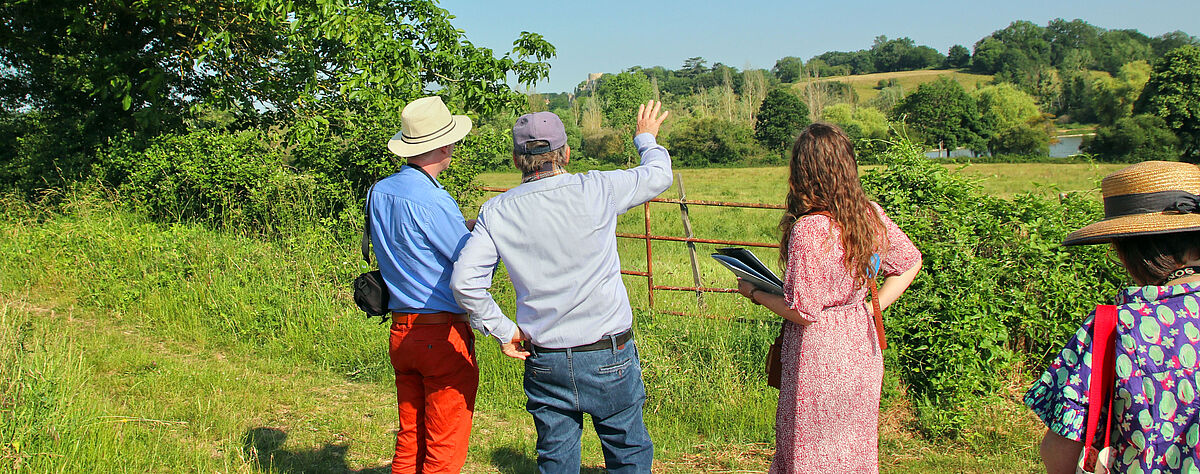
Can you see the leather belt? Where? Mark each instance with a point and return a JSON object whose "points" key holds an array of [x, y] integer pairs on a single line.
{"points": [[604, 343], [443, 317]]}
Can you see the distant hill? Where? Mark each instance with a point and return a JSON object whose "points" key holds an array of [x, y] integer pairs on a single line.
{"points": [[865, 85]]}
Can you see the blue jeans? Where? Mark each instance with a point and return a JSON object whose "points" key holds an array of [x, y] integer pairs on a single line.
{"points": [[606, 384]]}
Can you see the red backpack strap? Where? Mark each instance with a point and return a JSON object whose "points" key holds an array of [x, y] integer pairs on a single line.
{"points": [[1100, 384]]}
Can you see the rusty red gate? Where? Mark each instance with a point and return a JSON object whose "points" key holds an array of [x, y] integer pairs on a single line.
{"points": [[689, 240]]}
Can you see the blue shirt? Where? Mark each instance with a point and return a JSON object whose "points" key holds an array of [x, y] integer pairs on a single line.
{"points": [[417, 231], [557, 237]]}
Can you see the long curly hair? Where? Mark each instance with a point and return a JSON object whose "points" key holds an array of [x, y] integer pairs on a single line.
{"points": [[823, 177]]}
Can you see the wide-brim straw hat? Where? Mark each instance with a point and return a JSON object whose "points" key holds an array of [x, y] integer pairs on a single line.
{"points": [[1149, 198], [426, 124]]}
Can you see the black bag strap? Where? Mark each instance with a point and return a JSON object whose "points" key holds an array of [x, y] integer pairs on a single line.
{"points": [[366, 238]]}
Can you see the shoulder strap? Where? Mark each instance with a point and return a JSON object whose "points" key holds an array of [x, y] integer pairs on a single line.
{"points": [[1100, 384], [878, 313], [366, 236]]}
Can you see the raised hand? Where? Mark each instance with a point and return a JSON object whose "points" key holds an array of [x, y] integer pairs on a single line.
{"points": [[648, 118]]}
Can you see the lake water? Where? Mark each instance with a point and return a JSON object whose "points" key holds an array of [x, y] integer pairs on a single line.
{"points": [[1066, 146]]}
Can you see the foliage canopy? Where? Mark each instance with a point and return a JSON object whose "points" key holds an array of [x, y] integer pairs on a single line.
{"points": [[779, 119], [943, 112]]}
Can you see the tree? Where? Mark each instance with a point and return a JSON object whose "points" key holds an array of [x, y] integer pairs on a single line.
{"points": [[1113, 97], [1118, 47], [1020, 46], [693, 67], [788, 69], [1006, 106], [153, 60], [780, 118], [1068, 36], [620, 94], [1173, 93], [1171, 40], [1138, 138], [1018, 125], [901, 54], [145, 67], [944, 113], [958, 57]]}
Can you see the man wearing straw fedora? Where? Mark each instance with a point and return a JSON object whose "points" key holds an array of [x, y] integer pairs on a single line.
{"points": [[418, 232], [556, 233], [1148, 365]]}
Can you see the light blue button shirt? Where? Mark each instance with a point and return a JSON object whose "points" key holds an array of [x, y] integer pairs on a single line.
{"points": [[417, 232], [557, 237]]}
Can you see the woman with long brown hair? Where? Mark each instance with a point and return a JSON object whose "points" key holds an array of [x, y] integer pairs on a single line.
{"points": [[835, 240]]}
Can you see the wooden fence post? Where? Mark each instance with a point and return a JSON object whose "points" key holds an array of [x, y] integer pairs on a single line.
{"points": [[687, 229]]}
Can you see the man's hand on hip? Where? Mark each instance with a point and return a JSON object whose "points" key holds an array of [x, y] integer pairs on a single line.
{"points": [[648, 118], [515, 348]]}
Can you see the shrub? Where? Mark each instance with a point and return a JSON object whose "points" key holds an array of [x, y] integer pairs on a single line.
{"points": [[713, 141], [1025, 139], [1138, 138], [604, 144], [197, 175], [997, 292]]}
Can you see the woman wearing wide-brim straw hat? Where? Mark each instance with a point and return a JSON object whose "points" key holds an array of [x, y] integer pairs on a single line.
{"points": [[1152, 221]]}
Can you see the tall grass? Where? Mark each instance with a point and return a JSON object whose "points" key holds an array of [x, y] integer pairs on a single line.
{"points": [[287, 302], [108, 313]]}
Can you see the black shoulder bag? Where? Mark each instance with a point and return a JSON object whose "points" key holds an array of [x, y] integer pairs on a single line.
{"points": [[370, 292]]}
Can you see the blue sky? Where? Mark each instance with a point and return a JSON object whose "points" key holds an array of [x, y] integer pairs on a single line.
{"points": [[610, 36]]}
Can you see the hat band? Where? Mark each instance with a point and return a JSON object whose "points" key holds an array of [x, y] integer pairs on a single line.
{"points": [[429, 136], [1151, 203]]}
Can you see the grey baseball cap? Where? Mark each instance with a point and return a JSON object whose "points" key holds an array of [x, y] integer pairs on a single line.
{"points": [[545, 126]]}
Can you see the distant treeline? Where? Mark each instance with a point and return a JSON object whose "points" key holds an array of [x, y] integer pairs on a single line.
{"points": [[1027, 79]]}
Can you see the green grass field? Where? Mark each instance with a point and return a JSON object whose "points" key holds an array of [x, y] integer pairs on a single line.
{"points": [[131, 346]]}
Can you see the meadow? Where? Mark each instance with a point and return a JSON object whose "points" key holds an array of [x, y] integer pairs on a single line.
{"points": [[866, 85], [128, 345]]}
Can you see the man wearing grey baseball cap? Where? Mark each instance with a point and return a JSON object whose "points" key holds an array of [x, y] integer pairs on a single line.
{"points": [[556, 233]]}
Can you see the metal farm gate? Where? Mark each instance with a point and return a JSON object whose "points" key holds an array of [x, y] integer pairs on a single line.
{"points": [[689, 239]]}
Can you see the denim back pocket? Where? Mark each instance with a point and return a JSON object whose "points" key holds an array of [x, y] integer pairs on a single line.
{"points": [[536, 370], [618, 368]]}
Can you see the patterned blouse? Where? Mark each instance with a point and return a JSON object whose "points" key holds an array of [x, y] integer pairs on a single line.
{"points": [[1156, 426]]}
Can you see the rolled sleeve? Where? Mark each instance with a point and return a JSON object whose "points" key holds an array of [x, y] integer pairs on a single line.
{"points": [[807, 266], [471, 280]]}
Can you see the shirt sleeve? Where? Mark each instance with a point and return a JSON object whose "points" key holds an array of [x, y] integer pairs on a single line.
{"points": [[1059, 397], [639, 184], [471, 280], [901, 254], [809, 261]]}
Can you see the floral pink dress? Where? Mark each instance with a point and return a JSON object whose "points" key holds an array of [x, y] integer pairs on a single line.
{"points": [[828, 415]]}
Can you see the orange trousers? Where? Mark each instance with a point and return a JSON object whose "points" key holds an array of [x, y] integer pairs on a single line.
{"points": [[436, 380]]}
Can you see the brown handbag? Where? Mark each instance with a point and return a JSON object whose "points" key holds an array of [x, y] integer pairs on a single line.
{"points": [[775, 360]]}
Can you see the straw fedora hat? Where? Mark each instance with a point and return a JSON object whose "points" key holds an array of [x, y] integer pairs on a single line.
{"points": [[1151, 197], [426, 124]]}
